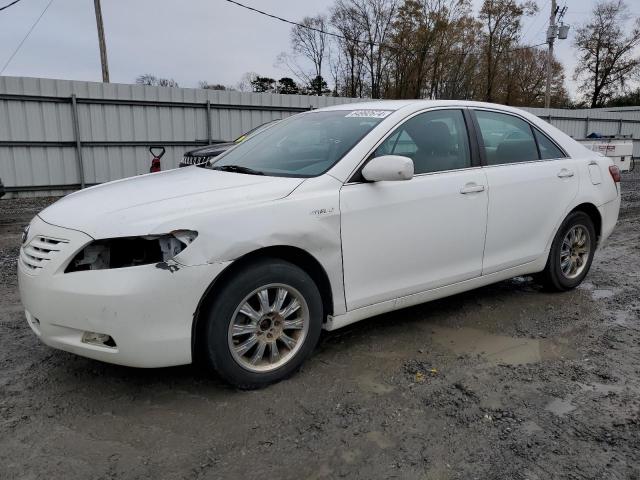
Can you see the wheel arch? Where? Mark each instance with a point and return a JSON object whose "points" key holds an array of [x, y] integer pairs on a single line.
{"points": [[295, 255], [592, 211]]}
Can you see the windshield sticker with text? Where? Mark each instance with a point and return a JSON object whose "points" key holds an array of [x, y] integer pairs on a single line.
{"points": [[369, 113]]}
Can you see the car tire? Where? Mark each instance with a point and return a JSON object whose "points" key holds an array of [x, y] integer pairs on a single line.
{"points": [[250, 339], [571, 253]]}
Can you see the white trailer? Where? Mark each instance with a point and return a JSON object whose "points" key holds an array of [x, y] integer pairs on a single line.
{"points": [[620, 150]]}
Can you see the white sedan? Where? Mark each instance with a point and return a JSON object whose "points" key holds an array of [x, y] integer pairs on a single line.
{"points": [[327, 218]]}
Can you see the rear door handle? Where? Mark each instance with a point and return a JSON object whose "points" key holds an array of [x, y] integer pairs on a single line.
{"points": [[564, 173], [472, 188]]}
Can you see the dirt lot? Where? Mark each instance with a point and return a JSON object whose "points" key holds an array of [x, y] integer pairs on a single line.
{"points": [[505, 382]]}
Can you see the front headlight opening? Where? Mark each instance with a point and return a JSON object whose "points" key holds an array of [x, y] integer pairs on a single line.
{"points": [[131, 251]]}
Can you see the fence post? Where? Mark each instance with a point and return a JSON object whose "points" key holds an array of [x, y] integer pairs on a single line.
{"points": [[76, 133], [586, 127], [209, 135], [620, 126]]}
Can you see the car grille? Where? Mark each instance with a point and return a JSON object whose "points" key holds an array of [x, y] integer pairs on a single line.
{"points": [[188, 160], [39, 251]]}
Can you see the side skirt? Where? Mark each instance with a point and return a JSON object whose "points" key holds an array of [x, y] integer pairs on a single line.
{"points": [[339, 321]]}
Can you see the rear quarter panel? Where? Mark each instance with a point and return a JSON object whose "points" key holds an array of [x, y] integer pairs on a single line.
{"points": [[596, 187]]}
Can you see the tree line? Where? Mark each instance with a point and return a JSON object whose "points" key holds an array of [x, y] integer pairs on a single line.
{"points": [[440, 49]]}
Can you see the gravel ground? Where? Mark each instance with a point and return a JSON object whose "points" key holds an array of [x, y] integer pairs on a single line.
{"points": [[504, 382]]}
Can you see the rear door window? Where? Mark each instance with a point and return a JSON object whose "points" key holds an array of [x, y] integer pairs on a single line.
{"points": [[548, 149], [506, 138]]}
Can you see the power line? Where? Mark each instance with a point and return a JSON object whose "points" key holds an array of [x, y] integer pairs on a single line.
{"points": [[357, 40], [535, 20], [25, 37], [9, 5], [291, 22]]}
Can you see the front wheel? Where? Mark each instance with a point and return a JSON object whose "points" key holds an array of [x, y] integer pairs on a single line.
{"points": [[263, 323], [571, 253]]}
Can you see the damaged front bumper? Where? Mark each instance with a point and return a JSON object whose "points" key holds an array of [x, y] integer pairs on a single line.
{"points": [[146, 311]]}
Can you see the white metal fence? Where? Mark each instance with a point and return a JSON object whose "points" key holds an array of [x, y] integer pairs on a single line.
{"points": [[606, 121], [60, 135]]}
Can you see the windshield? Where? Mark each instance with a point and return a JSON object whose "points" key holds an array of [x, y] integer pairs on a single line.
{"points": [[304, 145], [253, 131]]}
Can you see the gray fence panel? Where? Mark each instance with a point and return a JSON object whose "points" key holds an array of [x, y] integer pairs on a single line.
{"points": [[581, 122], [117, 123]]}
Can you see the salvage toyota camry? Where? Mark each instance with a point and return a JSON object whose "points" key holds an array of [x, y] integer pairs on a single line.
{"points": [[329, 217]]}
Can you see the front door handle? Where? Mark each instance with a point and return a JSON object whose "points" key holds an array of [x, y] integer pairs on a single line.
{"points": [[564, 173], [472, 188]]}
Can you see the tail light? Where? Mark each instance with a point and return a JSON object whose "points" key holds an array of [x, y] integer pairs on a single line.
{"points": [[615, 173]]}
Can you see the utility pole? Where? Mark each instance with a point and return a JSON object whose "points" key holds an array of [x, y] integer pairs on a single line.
{"points": [[102, 43], [551, 36], [553, 32]]}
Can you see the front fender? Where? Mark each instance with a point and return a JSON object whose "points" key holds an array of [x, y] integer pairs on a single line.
{"points": [[307, 219]]}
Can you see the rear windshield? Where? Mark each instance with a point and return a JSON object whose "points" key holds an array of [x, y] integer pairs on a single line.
{"points": [[304, 145]]}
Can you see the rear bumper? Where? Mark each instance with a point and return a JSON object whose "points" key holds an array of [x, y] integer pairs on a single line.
{"points": [[609, 214], [148, 311]]}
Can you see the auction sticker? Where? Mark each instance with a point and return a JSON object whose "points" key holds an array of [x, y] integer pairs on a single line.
{"points": [[369, 113]]}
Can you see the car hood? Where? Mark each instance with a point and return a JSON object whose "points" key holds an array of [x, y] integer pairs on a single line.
{"points": [[161, 201]]}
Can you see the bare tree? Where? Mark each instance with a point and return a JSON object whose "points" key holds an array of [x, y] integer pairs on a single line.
{"points": [[460, 79], [310, 41], [375, 19], [246, 82], [291, 62], [522, 84], [502, 25], [426, 48], [412, 39], [335, 61], [350, 47], [149, 79], [213, 86], [606, 58], [433, 51]]}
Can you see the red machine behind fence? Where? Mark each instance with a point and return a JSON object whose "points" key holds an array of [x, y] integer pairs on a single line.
{"points": [[155, 161]]}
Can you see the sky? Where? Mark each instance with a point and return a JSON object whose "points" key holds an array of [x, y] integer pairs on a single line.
{"points": [[189, 41]]}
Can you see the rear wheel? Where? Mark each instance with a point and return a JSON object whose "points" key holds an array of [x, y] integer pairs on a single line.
{"points": [[571, 253], [262, 324]]}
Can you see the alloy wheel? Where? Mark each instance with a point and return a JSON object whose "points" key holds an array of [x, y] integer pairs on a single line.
{"points": [[268, 327], [574, 251]]}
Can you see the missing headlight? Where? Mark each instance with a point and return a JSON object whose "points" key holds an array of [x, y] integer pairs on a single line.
{"points": [[131, 251]]}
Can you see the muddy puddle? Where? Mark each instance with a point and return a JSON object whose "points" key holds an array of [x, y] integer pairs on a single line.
{"points": [[599, 293], [563, 406], [560, 407], [501, 349]]}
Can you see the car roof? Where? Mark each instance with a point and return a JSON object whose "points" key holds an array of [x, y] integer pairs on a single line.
{"points": [[415, 104]]}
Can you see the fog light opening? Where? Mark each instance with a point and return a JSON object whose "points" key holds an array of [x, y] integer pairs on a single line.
{"points": [[100, 339]]}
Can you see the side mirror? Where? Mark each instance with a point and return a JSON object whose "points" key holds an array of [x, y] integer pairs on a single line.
{"points": [[388, 168]]}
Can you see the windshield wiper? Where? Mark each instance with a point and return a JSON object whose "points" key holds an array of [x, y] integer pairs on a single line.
{"points": [[237, 169]]}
